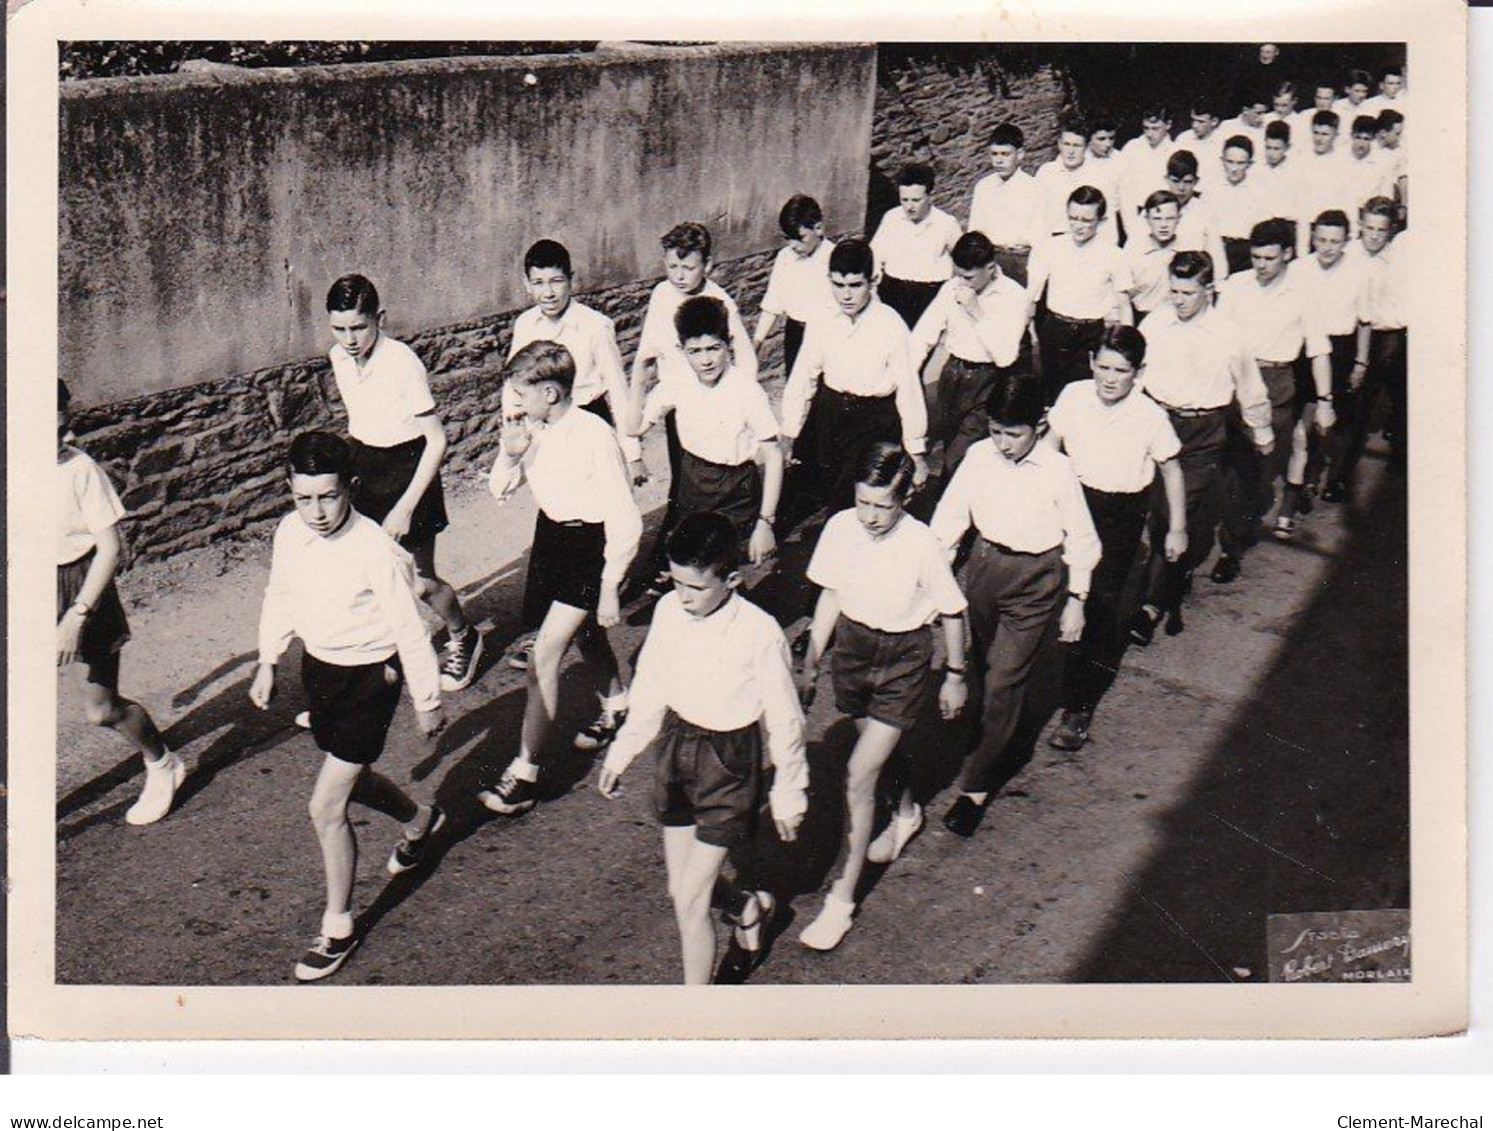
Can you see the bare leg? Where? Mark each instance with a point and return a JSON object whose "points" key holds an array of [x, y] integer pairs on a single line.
{"points": [[874, 746], [595, 644], [339, 849], [436, 592], [560, 625], [693, 867], [379, 793], [103, 706]]}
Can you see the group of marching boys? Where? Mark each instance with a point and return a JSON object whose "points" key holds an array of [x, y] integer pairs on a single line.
{"points": [[1131, 348]]}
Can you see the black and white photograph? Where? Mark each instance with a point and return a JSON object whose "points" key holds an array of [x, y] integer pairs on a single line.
{"points": [[650, 512]]}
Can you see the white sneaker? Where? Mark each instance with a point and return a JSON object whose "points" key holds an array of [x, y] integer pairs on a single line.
{"points": [[825, 932], [895, 837], [162, 780]]}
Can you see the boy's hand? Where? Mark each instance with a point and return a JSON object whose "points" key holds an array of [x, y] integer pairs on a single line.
{"points": [[762, 543], [516, 436], [919, 471], [952, 695], [1070, 624], [69, 633], [608, 607], [807, 681], [431, 723], [609, 784], [966, 300], [1326, 416], [786, 443], [1176, 545], [637, 471], [1355, 378], [262, 690], [397, 521], [788, 830]]}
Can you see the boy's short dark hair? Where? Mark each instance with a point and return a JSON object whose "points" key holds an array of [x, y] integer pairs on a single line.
{"points": [[1379, 206], [1007, 133], [852, 257], [64, 396], [1206, 104], [1287, 87], [1239, 141], [916, 173], [1332, 218], [1126, 341], [1016, 399], [1192, 265], [686, 238], [1323, 84], [1160, 197], [972, 250], [1087, 194], [1278, 131], [798, 213], [1273, 233], [1389, 119], [539, 362], [1357, 77], [1071, 123], [886, 464], [1183, 163], [1103, 123], [548, 254], [707, 541], [1326, 118], [1156, 112], [702, 317], [353, 292], [320, 453], [1365, 125]]}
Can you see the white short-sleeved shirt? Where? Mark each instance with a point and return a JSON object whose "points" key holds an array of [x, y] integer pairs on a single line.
{"points": [[916, 253], [799, 284], [1340, 291], [658, 341], [1237, 208], [1009, 212], [725, 424], [385, 394], [1112, 447], [896, 582], [1083, 280], [89, 504], [1208, 150], [1150, 270], [1056, 182], [1142, 172], [995, 338], [1277, 320]]}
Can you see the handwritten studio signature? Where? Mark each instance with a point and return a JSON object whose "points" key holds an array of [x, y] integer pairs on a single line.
{"points": [[1349, 949]]}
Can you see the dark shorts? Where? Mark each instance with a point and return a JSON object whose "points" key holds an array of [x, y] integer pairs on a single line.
{"points": [[565, 566], [599, 407], [710, 779], [735, 492], [907, 297], [351, 707], [881, 675], [383, 474], [106, 630]]}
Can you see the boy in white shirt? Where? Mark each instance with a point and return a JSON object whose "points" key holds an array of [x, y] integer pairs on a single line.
{"points": [[346, 589], [585, 536], [1070, 170], [91, 624], [912, 245], [1007, 204], [713, 676], [1204, 140], [798, 288], [1143, 163], [1238, 204], [1148, 253], [1197, 224], [1277, 182]]}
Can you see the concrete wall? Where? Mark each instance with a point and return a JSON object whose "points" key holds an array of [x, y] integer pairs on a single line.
{"points": [[202, 219]]}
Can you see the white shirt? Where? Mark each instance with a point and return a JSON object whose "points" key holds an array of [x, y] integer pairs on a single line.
{"points": [[799, 284], [1082, 280], [89, 504], [1142, 172], [1149, 264], [896, 583], [916, 253], [1197, 230], [1238, 126], [1386, 301], [1113, 447], [868, 356], [1203, 363], [1057, 182], [1208, 150], [1032, 505], [726, 423], [721, 672], [1278, 188], [1379, 103], [1008, 211], [384, 394], [1278, 320], [659, 341], [994, 337], [575, 470], [591, 338], [1340, 291], [1237, 208], [1366, 177], [1324, 184], [350, 597]]}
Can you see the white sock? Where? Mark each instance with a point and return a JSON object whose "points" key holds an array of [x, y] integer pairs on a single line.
{"points": [[616, 704], [977, 798], [523, 768], [337, 925]]}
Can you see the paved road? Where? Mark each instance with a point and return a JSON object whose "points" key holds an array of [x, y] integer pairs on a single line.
{"points": [[1255, 764]]}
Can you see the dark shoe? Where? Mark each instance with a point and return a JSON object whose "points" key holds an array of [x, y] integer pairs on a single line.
{"points": [[1072, 730], [511, 796], [325, 958], [964, 816], [1142, 627], [755, 914], [459, 660], [1305, 499], [1285, 528], [1226, 570], [599, 732], [410, 850], [1335, 492], [800, 645], [1174, 621], [736, 965]]}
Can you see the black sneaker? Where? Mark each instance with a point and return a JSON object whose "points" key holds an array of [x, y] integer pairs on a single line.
{"points": [[459, 660], [1142, 627], [325, 958], [600, 731], [737, 964], [964, 816], [1226, 570], [1072, 730], [1335, 492], [511, 796], [410, 850]]}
